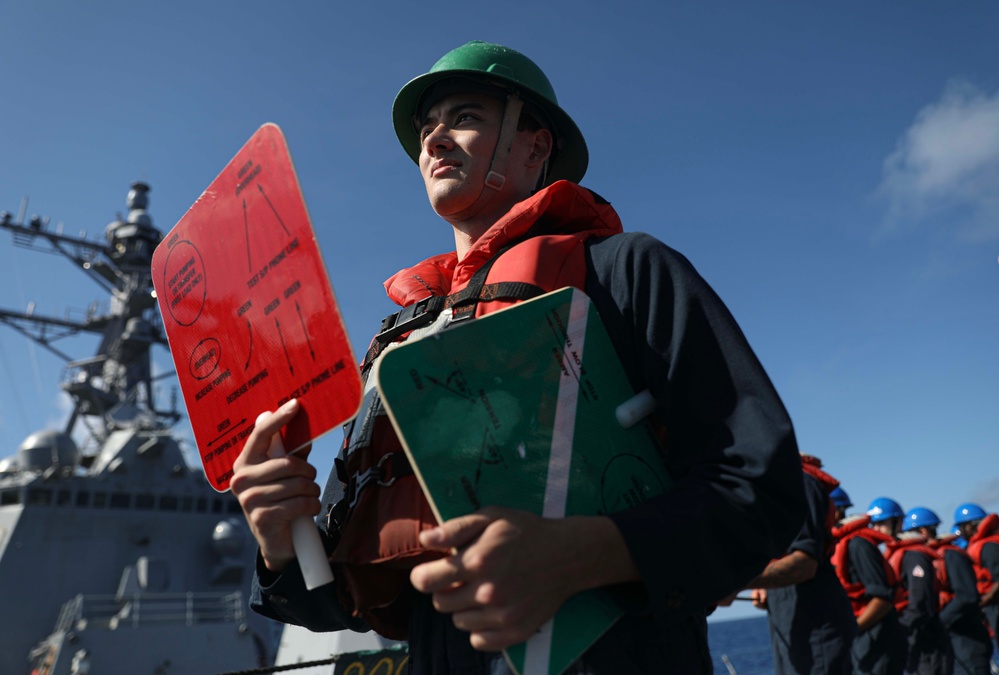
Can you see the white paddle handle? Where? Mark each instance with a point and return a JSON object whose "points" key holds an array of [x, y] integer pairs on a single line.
{"points": [[305, 537], [311, 554], [635, 409]]}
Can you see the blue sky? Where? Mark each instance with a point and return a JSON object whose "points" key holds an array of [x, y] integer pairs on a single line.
{"points": [[831, 169]]}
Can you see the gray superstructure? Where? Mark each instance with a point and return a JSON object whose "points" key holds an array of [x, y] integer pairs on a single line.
{"points": [[115, 555]]}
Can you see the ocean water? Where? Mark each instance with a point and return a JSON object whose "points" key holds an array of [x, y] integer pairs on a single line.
{"points": [[744, 644]]}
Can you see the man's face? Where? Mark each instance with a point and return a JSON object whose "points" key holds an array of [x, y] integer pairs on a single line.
{"points": [[890, 526], [968, 529], [458, 136]]}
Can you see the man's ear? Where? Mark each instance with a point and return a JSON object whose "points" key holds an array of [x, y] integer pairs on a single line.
{"points": [[541, 147]]}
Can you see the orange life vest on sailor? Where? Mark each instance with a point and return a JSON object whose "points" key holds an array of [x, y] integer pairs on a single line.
{"points": [[813, 467], [897, 549], [855, 590], [941, 546], [378, 541], [987, 533]]}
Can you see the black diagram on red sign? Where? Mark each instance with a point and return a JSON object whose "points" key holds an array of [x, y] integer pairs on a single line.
{"points": [[205, 358], [305, 331], [228, 336], [246, 225], [186, 283], [186, 280], [229, 429], [287, 358]]}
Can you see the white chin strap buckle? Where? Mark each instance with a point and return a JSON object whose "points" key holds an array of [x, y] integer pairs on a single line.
{"points": [[495, 180]]}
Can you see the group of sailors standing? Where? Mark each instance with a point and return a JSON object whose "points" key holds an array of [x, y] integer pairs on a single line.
{"points": [[884, 592]]}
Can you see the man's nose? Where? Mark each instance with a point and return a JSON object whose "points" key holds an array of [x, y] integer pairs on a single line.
{"points": [[437, 139]]}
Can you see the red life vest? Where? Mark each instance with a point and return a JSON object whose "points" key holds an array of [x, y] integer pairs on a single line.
{"points": [[550, 259], [855, 590], [897, 549], [941, 546], [813, 467], [378, 543], [987, 533]]}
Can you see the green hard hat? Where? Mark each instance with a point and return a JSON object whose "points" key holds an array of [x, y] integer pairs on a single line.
{"points": [[508, 69]]}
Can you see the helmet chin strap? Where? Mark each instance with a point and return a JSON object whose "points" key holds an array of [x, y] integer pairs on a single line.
{"points": [[496, 177]]}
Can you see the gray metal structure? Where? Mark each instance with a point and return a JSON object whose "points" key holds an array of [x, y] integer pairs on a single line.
{"points": [[116, 556]]}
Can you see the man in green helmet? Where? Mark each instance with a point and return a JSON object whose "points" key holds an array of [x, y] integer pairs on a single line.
{"points": [[501, 162]]}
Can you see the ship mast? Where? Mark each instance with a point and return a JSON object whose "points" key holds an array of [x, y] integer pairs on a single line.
{"points": [[113, 387]]}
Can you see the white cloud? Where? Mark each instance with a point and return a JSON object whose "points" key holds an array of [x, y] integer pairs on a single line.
{"points": [[947, 163]]}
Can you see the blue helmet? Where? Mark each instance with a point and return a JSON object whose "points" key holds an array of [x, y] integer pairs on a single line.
{"points": [[965, 513], [919, 517], [883, 508], [840, 498]]}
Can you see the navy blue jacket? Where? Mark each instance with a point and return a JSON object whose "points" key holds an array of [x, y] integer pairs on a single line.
{"points": [[736, 500]]}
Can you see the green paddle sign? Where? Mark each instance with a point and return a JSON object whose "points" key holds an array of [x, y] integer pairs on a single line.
{"points": [[527, 408]]}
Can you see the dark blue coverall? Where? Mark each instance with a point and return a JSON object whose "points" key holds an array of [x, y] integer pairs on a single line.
{"points": [[811, 624], [732, 456], [990, 561], [962, 617], [929, 646], [881, 649]]}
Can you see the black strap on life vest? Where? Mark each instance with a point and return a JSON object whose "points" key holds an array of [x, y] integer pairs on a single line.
{"points": [[424, 312], [417, 315]]}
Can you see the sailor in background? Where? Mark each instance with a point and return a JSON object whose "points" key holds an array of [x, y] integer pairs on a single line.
{"points": [[811, 625], [981, 530], [971, 522], [841, 502], [871, 585], [915, 561]]}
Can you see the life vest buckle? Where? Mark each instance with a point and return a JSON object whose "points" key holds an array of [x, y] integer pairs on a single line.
{"points": [[379, 475], [409, 318], [385, 475]]}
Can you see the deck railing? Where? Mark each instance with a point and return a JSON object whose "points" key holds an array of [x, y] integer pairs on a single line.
{"points": [[147, 608]]}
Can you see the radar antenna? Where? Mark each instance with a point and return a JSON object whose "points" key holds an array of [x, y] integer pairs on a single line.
{"points": [[116, 383]]}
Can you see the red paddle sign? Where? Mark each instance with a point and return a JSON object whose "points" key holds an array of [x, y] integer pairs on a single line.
{"points": [[249, 311]]}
